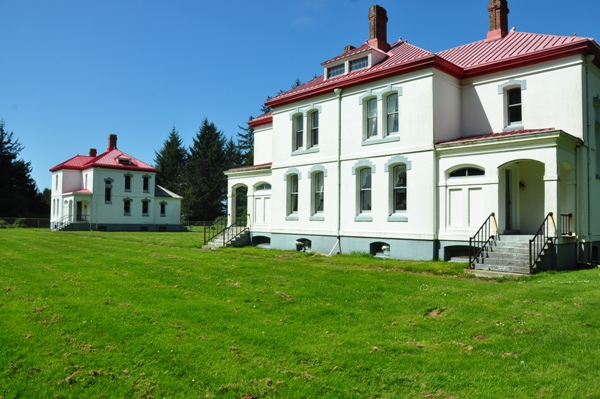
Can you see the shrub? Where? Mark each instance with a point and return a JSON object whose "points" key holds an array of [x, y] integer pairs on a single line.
{"points": [[3, 224], [20, 222]]}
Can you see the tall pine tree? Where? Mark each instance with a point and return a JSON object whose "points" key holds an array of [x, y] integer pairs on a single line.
{"points": [[206, 184], [170, 162], [245, 145], [20, 196]]}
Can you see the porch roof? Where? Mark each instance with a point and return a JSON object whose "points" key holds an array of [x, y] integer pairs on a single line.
{"points": [[508, 135]]}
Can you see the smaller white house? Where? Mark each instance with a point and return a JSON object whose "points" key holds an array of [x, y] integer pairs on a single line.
{"points": [[112, 191]]}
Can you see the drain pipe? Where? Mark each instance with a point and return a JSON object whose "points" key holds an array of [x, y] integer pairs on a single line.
{"points": [[338, 93], [588, 60]]}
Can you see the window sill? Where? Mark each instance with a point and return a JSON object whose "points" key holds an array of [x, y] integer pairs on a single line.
{"points": [[146, 191], [163, 216], [127, 190], [108, 202], [302, 152], [363, 218], [317, 218], [145, 214], [396, 217], [292, 218], [388, 139], [510, 128], [127, 214]]}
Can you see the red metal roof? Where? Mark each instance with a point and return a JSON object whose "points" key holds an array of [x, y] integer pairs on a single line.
{"points": [[264, 119], [500, 135], [108, 159], [83, 191], [514, 50], [401, 55]]}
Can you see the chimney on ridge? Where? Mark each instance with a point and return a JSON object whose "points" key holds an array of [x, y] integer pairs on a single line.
{"points": [[348, 48], [498, 10], [112, 142], [93, 152], [378, 28]]}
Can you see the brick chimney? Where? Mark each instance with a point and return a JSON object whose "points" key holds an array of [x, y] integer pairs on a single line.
{"points": [[348, 48], [378, 28], [93, 152], [498, 10], [112, 142]]}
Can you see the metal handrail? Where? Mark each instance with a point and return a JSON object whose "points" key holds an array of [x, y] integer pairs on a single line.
{"points": [[61, 223], [214, 229], [234, 231], [539, 243], [565, 224], [483, 240], [220, 226]]}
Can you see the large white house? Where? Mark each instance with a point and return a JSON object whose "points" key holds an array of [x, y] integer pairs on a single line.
{"points": [[111, 191], [405, 153]]}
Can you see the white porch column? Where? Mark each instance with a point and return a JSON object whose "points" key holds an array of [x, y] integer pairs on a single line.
{"points": [[552, 198]]}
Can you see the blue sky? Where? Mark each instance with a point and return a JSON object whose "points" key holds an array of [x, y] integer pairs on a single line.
{"points": [[73, 72]]}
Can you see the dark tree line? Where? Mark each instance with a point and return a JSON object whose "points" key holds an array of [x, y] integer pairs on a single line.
{"points": [[20, 195], [197, 173]]}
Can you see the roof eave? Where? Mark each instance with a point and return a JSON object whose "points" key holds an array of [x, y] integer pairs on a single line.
{"points": [[261, 121], [564, 51], [422, 63]]}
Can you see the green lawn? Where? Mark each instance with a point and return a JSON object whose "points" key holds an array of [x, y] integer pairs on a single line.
{"points": [[139, 315]]}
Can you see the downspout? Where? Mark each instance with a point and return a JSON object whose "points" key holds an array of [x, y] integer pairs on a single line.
{"points": [[338, 92], [588, 60]]}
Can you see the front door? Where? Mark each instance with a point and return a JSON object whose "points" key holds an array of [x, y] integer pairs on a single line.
{"points": [[79, 211]]}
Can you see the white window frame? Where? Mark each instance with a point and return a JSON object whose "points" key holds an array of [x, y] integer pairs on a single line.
{"points": [[108, 186], [318, 192], [163, 209], [146, 203], [381, 117], [128, 177], [504, 89], [388, 131], [293, 195], [127, 204], [298, 132], [313, 118]]}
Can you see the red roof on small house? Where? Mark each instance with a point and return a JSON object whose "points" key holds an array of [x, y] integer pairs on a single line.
{"points": [[112, 159]]}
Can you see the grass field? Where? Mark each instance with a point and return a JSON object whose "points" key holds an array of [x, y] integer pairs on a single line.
{"points": [[140, 315]]}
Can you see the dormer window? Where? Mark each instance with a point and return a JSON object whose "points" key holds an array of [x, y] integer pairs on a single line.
{"points": [[124, 161], [360, 63], [336, 70]]}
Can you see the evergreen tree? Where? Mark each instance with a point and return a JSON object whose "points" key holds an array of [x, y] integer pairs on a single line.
{"points": [[233, 154], [20, 196], [245, 144], [170, 162], [206, 184]]}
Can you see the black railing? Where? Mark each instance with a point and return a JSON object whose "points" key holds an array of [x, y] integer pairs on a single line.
{"points": [[234, 231], [61, 223], [482, 241], [565, 224], [83, 218], [540, 241], [215, 229]]}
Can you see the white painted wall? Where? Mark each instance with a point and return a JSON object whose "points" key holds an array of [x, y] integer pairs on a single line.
{"points": [[263, 144]]}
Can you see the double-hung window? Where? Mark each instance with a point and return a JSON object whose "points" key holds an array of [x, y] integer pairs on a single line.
{"points": [[145, 207], [314, 128], [514, 106], [365, 190], [392, 113], [107, 191], [127, 182], [372, 118], [399, 189], [298, 132], [127, 207], [163, 209], [318, 192], [146, 184], [293, 194]]}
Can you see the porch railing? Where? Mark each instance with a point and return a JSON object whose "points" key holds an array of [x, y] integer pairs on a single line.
{"points": [[539, 243], [565, 224], [234, 231], [483, 240], [220, 226], [61, 223], [83, 218]]}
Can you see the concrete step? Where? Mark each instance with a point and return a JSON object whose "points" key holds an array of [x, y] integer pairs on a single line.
{"points": [[493, 274], [502, 268]]}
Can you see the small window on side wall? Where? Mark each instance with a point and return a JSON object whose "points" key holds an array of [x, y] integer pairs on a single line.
{"points": [[146, 184], [365, 190], [371, 118], [399, 189], [292, 194], [318, 192], [514, 114], [127, 182], [314, 129], [298, 132], [163, 209], [392, 114]]}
